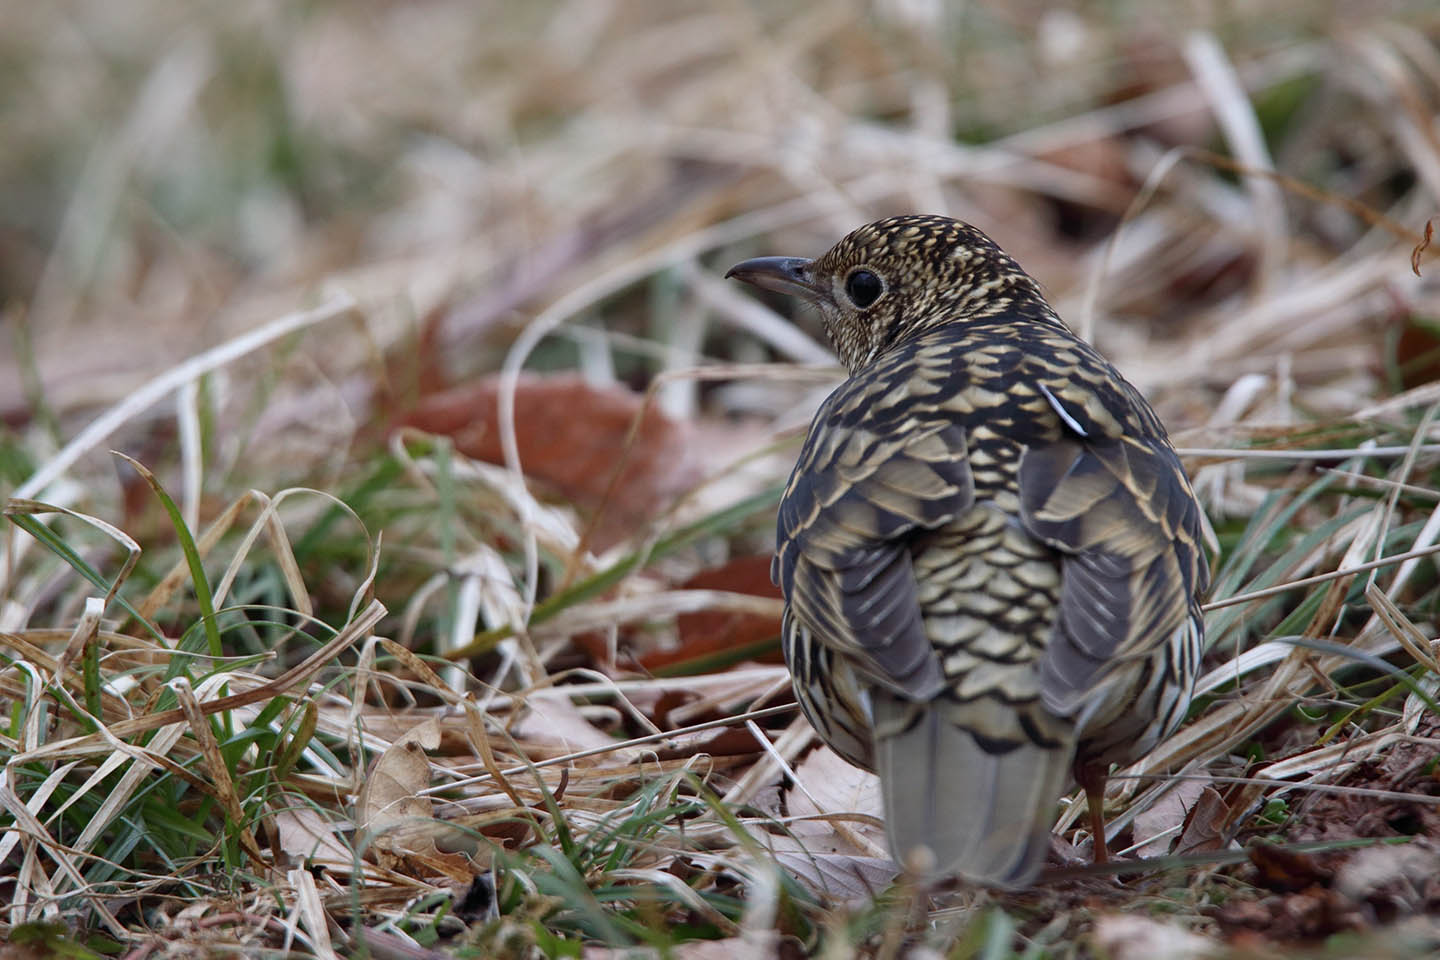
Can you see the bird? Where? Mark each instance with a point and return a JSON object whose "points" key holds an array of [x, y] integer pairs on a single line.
{"points": [[990, 554]]}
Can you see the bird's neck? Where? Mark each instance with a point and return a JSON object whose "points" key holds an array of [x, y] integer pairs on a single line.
{"points": [[1007, 321]]}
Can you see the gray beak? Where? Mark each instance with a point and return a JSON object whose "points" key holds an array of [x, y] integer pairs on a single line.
{"points": [[790, 275]]}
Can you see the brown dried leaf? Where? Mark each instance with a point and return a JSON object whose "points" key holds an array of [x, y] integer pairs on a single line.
{"points": [[837, 787], [846, 877], [737, 742], [556, 727], [840, 857], [305, 835], [1422, 246], [389, 796], [400, 821], [708, 633], [1158, 826], [1133, 937], [1205, 826], [1417, 352], [455, 867], [572, 436], [1286, 870]]}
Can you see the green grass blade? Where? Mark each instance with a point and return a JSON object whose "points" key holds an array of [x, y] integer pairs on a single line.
{"points": [[203, 595]]}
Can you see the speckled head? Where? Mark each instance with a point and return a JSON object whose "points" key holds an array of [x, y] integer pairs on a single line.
{"points": [[896, 277]]}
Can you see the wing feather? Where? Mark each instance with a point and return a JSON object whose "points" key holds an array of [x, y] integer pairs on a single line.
{"points": [[1127, 525], [853, 505]]}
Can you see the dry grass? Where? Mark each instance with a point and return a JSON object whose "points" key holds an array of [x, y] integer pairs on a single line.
{"points": [[304, 675]]}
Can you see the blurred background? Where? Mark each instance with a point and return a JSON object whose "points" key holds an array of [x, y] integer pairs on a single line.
{"points": [[177, 174]]}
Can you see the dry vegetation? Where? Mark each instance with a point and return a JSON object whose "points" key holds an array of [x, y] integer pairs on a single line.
{"points": [[432, 616]]}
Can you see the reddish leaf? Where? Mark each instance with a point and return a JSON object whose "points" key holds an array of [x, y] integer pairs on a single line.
{"points": [[738, 742], [572, 438], [1417, 352], [707, 634], [1204, 828], [596, 645], [1157, 826], [1422, 246], [1285, 870]]}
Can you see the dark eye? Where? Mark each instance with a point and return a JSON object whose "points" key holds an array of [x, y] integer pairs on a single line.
{"points": [[863, 288]]}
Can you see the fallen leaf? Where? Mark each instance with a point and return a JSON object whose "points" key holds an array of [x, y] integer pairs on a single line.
{"points": [[1158, 826], [399, 821], [836, 787], [840, 857], [1123, 936], [844, 877], [572, 436], [389, 795], [307, 836], [708, 634], [1422, 246], [1416, 350], [1285, 870], [736, 742], [1205, 826], [552, 726]]}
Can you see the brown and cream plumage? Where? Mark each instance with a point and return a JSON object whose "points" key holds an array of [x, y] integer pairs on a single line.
{"points": [[989, 551]]}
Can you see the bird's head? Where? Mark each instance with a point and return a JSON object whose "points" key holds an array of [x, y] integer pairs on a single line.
{"points": [[896, 277]]}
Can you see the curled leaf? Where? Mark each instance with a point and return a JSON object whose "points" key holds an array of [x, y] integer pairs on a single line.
{"points": [[1422, 246]]}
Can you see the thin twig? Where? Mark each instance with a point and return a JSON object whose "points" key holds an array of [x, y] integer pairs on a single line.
{"points": [[1318, 578], [1223, 453], [736, 720]]}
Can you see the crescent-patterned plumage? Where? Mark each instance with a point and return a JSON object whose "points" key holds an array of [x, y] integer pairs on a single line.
{"points": [[989, 551]]}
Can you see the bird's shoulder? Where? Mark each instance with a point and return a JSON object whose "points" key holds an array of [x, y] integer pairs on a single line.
{"points": [[902, 445], [1030, 381]]}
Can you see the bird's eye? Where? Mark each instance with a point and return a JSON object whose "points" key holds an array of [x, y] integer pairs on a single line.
{"points": [[863, 288]]}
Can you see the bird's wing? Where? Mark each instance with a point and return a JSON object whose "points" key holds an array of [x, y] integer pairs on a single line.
{"points": [[1126, 523], [843, 547]]}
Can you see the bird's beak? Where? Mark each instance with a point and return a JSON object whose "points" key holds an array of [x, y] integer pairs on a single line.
{"points": [[789, 275]]}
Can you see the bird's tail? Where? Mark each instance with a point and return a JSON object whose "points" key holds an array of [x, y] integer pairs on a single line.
{"points": [[983, 814]]}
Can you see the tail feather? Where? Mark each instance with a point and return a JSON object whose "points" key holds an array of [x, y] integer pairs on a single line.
{"points": [[982, 815]]}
